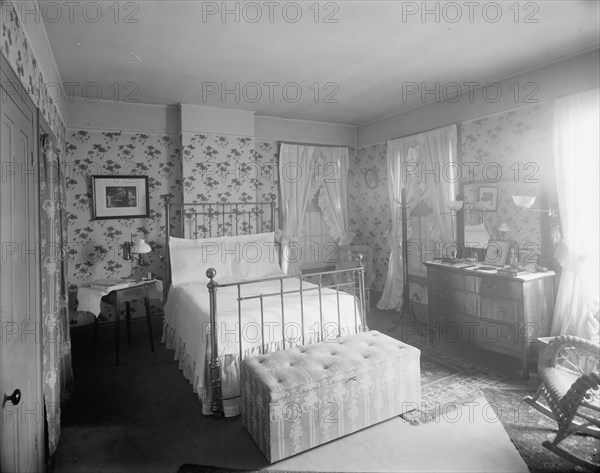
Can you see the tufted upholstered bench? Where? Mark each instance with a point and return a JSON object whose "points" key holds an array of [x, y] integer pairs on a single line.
{"points": [[296, 399]]}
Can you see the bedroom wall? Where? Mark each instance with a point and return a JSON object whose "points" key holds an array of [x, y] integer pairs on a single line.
{"points": [[113, 138], [503, 132], [95, 245], [194, 153], [522, 136]]}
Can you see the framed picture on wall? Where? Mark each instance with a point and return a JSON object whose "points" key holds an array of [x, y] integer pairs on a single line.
{"points": [[488, 198], [119, 197]]}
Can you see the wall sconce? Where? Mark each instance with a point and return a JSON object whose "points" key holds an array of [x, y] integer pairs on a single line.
{"points": [[139, 248], [526, 201]]}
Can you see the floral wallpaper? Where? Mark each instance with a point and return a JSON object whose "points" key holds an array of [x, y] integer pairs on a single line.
{"points": [[95, 245], [227, 168], [515, 146], [369, 208], [511, 152], [20, 56]]}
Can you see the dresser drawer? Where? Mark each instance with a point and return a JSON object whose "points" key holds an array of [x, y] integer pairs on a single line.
{"points": [[501, 310], [447, 299], [455, 280], [497, 336], [498, 287]]}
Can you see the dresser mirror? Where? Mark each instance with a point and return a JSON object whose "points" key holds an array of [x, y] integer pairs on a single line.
{"points": [[489, 213]]}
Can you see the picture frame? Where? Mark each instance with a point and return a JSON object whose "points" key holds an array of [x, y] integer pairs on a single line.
{"points": [[371, 178], [488, 198], [496, 253], [120, 197]]}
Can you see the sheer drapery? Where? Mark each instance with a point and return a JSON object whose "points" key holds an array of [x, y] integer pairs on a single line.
{"points": [[421, 165], [57, 371], [576, 154], [296, 181], [440, 156], [399, 153], [333, 193]]}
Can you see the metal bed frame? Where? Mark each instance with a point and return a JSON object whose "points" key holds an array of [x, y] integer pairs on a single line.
{"points": [[200, 218]]}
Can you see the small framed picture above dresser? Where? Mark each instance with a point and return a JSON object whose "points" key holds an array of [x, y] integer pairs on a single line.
{"points": [[496, 253]]}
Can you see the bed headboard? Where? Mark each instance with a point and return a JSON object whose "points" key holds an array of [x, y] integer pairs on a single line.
{"points": [[215, 219]]}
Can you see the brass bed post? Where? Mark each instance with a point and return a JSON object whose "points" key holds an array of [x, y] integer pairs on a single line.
{"points": [[361, 288], [167, 199], [214, 364], [272, 204]]}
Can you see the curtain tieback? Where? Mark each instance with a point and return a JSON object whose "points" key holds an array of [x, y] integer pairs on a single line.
{"points": [[347, 238]]}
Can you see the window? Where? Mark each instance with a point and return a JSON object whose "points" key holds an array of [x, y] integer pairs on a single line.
{"points": [[319, 249]]}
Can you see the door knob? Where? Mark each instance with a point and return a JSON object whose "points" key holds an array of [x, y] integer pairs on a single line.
{"points": [[14, 398]]}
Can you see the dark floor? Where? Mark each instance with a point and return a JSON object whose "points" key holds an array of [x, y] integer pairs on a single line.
{"points": [[118, 398]]}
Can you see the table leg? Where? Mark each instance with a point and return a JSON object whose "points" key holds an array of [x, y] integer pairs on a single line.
{"points": [[525, 362], [96, 322], [147, 304], [128, 315], [117, 323]]}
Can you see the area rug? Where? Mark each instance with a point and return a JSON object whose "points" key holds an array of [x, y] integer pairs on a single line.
{"points": [[528, 428], [448, 382]]}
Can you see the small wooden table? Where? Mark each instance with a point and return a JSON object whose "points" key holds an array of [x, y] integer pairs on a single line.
{"points": [[139, 290]]}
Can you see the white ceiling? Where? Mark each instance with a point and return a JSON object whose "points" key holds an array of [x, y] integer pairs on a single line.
{"points": [[364, 60]]}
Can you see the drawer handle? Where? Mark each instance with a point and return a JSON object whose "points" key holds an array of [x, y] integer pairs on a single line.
{"points": [[491, 288], [440, 295], [444, 277]]}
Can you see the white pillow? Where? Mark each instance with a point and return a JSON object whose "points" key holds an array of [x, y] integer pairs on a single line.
{"points": [[191, 258], [235, 258], [252, 256], [174, 241]]}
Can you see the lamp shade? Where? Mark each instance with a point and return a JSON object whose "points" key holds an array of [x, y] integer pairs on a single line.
{"points": [[524, 201], [141, 247]]}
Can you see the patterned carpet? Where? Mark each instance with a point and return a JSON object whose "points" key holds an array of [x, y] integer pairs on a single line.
{"points": [[528, 428], [448, 382]]}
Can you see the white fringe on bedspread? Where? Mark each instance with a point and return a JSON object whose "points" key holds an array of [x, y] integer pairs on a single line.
{"points": [[230, 374]]}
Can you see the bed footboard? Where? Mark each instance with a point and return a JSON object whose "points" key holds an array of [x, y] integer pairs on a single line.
{"points": [[341, 287]]}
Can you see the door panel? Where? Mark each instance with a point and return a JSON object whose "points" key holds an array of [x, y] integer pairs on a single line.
{"points": [[21, 427]]}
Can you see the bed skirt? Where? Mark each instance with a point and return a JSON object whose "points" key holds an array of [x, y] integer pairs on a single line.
{"points": [[230, 368]]}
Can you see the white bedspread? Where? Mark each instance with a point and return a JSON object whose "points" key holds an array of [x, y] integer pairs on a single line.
{"points": [[187, 318]]}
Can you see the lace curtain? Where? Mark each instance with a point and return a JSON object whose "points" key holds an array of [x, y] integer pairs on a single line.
{"points": [[333, 193], [303, 172], [296, 165], [57, 371], [419, 164], [576, 154]]}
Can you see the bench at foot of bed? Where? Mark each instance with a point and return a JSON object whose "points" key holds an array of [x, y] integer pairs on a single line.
{"points": [[297, 399]]}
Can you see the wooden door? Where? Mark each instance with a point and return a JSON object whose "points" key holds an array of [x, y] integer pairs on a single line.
{"points": [[22, 425]]}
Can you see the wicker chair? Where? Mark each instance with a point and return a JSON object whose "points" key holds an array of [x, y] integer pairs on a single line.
{"points": [[568, 368]]}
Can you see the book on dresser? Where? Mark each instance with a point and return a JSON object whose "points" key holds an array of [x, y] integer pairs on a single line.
{"points": [[111, 284]]}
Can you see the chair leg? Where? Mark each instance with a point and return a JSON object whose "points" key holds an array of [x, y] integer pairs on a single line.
{"points": [[534, 402], [582, 462], [148, 319]]}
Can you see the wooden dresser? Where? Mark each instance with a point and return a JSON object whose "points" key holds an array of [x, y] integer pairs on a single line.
{"points": [[497, 312]]}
